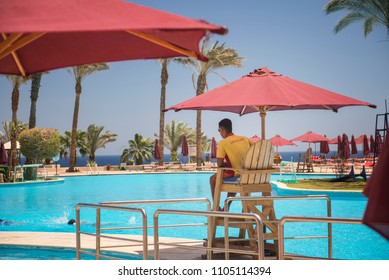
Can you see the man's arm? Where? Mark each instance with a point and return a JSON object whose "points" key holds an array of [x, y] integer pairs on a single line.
{"points": [[219, 162]]}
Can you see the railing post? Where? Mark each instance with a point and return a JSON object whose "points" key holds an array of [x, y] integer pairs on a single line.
{"points": [[78, 234], [98, 233]]}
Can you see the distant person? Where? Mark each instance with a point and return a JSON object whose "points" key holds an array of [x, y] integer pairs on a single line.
{"points": [[71, 222], [5, 222], [230, 153]]}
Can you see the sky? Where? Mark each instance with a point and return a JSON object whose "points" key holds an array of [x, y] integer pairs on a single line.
{"points": [[293, 38]]}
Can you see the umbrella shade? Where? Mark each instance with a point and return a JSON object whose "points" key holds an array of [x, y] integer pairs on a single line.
{"points": [[311, 137], [354, 149], [263, 91], [377, 209], [340, 147], [366, 149], [324, 147], [39, 35], [345, 146], [3, 154], [359, 140], [255, 139], [157, 154], [333, 141], [184, 147], [213, 148], [278, 141], [372, 144], [379, 143]]}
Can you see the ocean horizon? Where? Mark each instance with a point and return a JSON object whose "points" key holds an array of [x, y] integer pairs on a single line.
{"points": [[103, 160]]}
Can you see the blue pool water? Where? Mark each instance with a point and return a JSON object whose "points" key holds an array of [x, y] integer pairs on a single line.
{"points": [[15, 252], [48, 207]]}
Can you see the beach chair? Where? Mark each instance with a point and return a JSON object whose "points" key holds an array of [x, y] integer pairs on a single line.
{"points": [[254, 178], [304, 163]]}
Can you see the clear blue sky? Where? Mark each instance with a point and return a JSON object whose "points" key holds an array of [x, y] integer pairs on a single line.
{"points": [[293, 38]]}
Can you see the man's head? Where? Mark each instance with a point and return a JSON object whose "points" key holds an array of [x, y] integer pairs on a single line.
{"points": [[225, 127]]}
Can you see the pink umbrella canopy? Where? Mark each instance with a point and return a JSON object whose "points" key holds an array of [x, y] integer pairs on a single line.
{"points": [[255, 139], [345, 150], [333, 141], [359, 140], [157, 154], [324, 147], [278, 141], [185, 146], [213, 148], [40, 35], [311, 137], [354, 149], [366, 149], [372, 143], [377, 209], [264, 90]]}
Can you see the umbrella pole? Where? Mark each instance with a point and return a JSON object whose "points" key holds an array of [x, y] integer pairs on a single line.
{"points": [[262, 114]]}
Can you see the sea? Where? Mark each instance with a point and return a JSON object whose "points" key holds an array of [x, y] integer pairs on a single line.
{"points": [[103, 160]]}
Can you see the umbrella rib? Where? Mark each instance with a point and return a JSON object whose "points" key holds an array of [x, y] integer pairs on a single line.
{"points": [[8, 40], [330, 108], [162, 43], [20, 43]]}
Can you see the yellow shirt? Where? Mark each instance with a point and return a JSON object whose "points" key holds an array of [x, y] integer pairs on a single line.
{"points": [[233, 148]]}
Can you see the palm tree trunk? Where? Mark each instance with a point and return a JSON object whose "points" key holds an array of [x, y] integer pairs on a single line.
{"points": [[201, 82], [73, 145], [14, 132], [164, 81], [35, 85]]}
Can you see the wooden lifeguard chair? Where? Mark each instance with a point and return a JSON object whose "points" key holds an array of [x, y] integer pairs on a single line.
{"points": [[254, 178], [304, 163]]}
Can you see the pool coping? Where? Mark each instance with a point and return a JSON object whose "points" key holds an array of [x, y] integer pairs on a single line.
{"points": [[68, 240]]}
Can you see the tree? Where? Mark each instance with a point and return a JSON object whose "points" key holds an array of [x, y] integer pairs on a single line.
{"points": [[174, 133], [139, 148], [9, 126], [164, 80], [39, 143], [96, 139], [16, 82], [80, 73], [218, 57], [35, 85], [371, 12], [66, 140]]}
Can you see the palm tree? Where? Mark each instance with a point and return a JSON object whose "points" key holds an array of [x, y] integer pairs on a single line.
{"points": [[164, 80], [218, 57], [139, 148], [371, 12], [80, 73], [96, 139], [16, 82], [66, 141], [35, 85], [9, 126], [174, 133]]}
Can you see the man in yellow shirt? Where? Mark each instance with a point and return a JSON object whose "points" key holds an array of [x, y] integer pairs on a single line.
{"points": [[230, 153]]}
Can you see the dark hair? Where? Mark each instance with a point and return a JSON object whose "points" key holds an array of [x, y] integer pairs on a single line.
{"points": [[226, 124]]}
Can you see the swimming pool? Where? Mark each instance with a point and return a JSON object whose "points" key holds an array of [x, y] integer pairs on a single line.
{"points": [[48, 207], [16, 252]]}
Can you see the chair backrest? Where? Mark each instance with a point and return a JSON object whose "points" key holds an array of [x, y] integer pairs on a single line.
{"points": [[260, 156], [308, 155]]}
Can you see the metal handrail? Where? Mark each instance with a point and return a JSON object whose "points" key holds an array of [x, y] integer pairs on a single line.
{"points": [[98, 235], [160, 201], [329, 220], [251, 216]]}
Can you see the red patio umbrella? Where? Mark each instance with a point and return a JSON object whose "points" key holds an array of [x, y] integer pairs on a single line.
{"points": [[359, 140], [372, 144], [354, 149], [3, 154], [185, 146], [278, 141], [264, 90], [255, 139], [213, 148], [324, 147], [39, 35], [379, 144], [366, 149], [157, 154], [333, 141], [345, 150], [377, 209]]}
